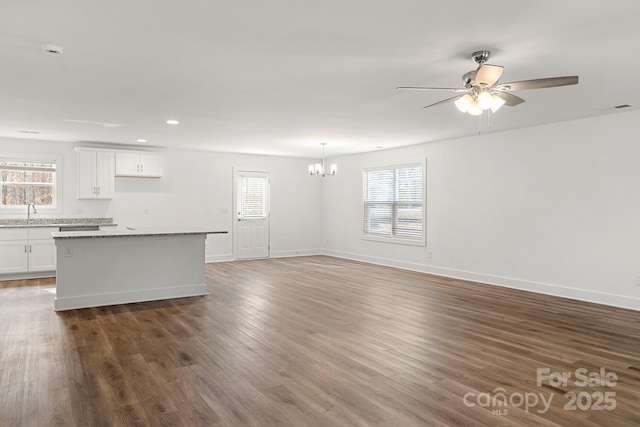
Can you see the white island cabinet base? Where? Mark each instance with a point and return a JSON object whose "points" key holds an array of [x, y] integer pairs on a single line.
{"points": [[98, 269]]}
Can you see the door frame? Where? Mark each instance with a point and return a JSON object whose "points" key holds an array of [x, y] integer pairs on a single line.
{"points": [[234, 191]]}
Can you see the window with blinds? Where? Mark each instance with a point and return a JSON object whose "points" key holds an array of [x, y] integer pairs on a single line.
{"points": [[253, 197], [24, 182], [393, 203]]}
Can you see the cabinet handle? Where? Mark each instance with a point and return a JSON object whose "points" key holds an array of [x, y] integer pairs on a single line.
{"points": [[94, 190], [25, 249], [29, 248], [141, 168], [98, 190]]}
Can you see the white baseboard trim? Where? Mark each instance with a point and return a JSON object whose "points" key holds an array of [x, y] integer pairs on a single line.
{"points": [[273, 254], [29, 275], [219, 258], [507, 282], [97, 300], [300, 252]]}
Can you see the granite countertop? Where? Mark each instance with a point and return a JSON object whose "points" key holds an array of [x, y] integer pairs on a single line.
{"points": [[55, 222], [134, 232]]}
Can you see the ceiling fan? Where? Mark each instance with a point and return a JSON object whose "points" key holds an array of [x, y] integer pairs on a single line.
{"points": [[481, 90]]}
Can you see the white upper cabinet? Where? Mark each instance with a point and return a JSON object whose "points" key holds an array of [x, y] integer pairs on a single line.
{"points": [[96, 172], [139, 164]]}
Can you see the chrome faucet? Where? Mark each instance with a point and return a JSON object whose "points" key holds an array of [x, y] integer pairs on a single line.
{"points": [[29, 212]]}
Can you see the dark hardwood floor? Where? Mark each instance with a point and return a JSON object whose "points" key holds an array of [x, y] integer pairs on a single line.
{"points": [[317, 341]]}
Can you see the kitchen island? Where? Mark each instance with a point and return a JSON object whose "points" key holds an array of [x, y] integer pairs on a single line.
{"points": [[125, 265]]}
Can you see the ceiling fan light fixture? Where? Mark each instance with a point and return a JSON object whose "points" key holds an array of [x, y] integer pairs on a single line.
{"points": [[485, 100], [497, 102], [474, 109], [464, 102], [461, 105]]}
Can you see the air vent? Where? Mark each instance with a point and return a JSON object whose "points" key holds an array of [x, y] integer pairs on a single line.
{"points": [[53, 50], [31, 132], [622, 106]]}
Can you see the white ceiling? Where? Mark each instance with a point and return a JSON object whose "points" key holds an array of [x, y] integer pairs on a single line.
{"points": [[280, 76]]}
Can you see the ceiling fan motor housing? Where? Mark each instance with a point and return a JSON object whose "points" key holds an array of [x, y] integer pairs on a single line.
{"points": [[481, 56], [469, 78]]}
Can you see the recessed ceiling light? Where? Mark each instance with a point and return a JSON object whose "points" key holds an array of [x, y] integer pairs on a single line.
{"points": [[172, 122], [141, 140], [53, 50]]}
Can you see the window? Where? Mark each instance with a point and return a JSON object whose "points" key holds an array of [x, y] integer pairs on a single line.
{"points": [[252, 197], [28, 180], [393, 204]]}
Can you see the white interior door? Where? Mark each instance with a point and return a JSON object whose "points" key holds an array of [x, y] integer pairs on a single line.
{"points": [[252, 226]]}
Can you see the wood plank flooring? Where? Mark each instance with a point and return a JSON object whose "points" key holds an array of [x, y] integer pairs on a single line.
{"points": [[315, 341]]}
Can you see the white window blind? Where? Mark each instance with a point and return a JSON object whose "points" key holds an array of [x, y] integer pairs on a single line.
{"points": [[393, 202], [24, 182], [252, 197]]}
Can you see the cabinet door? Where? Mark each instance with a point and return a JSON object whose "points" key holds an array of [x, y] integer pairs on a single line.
{"points": [[105, 175], [13, 256], [86, 175], [127, 164], [151, 165], [42, 255]]}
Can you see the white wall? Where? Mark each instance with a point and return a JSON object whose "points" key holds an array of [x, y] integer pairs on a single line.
{"points": [[553, 209], [197, 190]]}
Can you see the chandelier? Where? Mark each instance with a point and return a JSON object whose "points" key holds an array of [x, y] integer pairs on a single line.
{"points": [[319, 169], [479, 100]]}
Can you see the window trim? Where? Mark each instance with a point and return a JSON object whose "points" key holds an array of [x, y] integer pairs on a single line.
{"points": [[391, 239], [37, 158]]}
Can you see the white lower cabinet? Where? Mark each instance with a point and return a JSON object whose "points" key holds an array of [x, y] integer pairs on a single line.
{"points": [[14, 257], [25, 250], [42, 255]]}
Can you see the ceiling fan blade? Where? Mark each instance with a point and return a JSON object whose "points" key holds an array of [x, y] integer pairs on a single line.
{"points": [[454, 89], [444, 101], [509, 99], [488, 75], [539, 83]]}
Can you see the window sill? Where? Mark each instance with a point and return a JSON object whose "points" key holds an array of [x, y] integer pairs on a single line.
{"points": [[394, 240]]}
